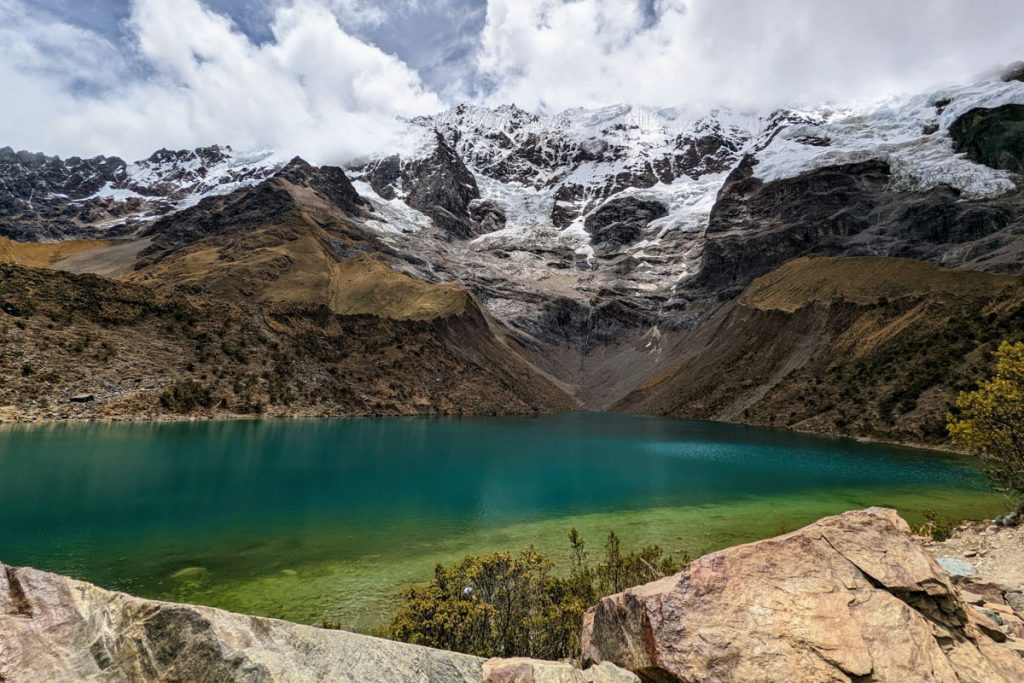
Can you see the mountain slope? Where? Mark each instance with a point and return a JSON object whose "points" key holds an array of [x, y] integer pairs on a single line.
{"points": [[78, 346], [871, 347]]}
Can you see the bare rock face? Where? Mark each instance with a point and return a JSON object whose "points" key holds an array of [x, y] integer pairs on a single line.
{"points": [[57, 629], [848, 598], [620, 222], [521, 670]]}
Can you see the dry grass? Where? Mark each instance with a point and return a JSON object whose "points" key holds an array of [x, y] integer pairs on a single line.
{"points": [[863, 280], [44, 255], [363, 285], [292, 262]]}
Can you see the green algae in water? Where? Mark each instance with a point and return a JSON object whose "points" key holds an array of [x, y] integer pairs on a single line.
{"points": [[326, 520]]}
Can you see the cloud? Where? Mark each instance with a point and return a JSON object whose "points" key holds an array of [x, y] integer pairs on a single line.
{"points": [[312, 89], [553, 54], [321, 78]]}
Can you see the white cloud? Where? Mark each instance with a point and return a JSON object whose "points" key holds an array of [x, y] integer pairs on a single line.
{"points": [[554, 54], [316, 85], [314, 89]]}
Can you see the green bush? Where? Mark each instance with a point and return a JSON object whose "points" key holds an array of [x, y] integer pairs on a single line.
{"points": [[186, 396], [519, 606], [936, 526]]}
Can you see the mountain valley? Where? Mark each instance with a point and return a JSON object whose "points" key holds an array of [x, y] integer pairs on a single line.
{"points": [[833, 270]]}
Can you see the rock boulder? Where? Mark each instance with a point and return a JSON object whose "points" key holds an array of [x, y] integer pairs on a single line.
{"points": [[848, 598], [57, 629]]}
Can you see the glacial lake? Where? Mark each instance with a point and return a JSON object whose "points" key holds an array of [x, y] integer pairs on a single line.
{"points": [[327, 519]]}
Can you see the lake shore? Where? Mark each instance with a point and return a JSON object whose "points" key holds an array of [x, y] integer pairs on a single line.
{"points": [[10, 417]]}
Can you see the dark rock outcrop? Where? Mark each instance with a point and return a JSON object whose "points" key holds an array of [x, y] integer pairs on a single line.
{"points": [[755, 226], [36, 193], [329, 181], [270, 201], [439, 185], [620, 222], [851, 210], [46, 197], [994, 137], [489, 215]]}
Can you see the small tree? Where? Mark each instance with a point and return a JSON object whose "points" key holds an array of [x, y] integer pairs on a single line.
{"points": [[990, 422]]}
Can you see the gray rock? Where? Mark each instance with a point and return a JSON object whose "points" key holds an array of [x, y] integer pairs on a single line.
{"points": [[1009, 519], [620, 222], [1015, 599], [57, 629], [994, 137], [82, 398], [958, 569], [519, 670], [53, 628]]}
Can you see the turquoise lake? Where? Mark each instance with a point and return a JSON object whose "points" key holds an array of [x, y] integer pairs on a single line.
{"points": [[316, 520]]}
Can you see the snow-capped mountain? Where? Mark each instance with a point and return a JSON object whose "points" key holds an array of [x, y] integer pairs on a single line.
{"points": [[46, 197], [573, 226], [621, 201]]}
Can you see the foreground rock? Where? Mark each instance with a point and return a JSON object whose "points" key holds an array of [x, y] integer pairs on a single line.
{"points": [[848, 598], [57, 629]]}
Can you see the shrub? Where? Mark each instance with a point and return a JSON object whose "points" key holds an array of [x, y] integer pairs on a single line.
{"points": [[936, 526], [517, 605], [186, 396]]}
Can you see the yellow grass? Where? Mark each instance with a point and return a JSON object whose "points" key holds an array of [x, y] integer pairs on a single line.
{"points": [[44, 255], [863, 280]]}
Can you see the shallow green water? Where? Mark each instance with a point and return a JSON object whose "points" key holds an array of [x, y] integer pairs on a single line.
{"points": [[327, 519]]}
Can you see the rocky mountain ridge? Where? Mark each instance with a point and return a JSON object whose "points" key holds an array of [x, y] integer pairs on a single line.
{"points": [[49, 198]]}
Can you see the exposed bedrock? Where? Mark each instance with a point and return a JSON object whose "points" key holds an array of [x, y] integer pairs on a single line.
{"points": [[850, 210], [54, 628], [620, 222], [296, 188], [848, 598], [439, 185], [994, 137], [46, 197]]}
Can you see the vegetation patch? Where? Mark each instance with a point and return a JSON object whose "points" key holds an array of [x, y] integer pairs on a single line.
{"points": [[505, 605]]}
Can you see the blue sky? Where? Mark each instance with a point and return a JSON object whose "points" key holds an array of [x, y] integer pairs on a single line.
{"points": [[330, 79], [435, 37]]}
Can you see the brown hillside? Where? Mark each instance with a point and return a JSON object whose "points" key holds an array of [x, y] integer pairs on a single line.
{"points": [[137, 352], [45, 254], [859, 346], [863, 280]]}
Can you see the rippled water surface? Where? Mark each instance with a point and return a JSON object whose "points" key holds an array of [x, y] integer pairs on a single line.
{"points": [[327, 519]]}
